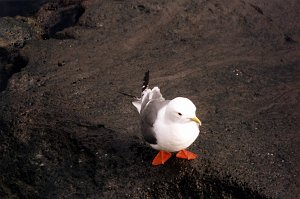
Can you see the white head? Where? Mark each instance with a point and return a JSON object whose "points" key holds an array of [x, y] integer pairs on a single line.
{"points": [[181, 110]]}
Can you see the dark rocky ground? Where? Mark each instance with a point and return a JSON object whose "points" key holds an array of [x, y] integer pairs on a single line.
{"points": [[67, 132]]}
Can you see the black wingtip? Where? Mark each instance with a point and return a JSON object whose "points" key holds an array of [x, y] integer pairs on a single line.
{"points": [[146, 80]]}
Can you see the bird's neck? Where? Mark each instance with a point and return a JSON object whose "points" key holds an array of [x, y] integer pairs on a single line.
{"points": [[166, 116]]}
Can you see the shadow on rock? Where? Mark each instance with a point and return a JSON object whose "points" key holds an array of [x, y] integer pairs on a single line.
{"points": [[56, 16], [10, 63], [125, 159], [22, 8]]}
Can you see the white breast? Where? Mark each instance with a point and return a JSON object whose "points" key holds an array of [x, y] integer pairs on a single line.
{"points": [[172, 136]]}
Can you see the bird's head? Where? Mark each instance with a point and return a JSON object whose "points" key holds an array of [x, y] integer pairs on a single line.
{"points": [[182, 110]]}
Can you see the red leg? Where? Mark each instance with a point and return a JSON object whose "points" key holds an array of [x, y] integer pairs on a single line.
{"points": [[161, 158], [186, 155]]}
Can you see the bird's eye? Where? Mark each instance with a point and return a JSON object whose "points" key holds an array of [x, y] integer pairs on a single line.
{"points": [[180, 114]]}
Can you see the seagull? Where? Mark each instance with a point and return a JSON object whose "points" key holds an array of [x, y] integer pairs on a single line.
{"points": [[167, 125]]}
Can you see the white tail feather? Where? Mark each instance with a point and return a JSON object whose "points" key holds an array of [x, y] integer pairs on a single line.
{"points": [[138, 105]]}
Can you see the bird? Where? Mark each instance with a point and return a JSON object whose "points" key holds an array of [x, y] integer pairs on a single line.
{"points": [[167, 125]]}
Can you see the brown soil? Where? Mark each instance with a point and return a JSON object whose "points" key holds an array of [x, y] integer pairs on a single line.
{"points": [[67, 132]]}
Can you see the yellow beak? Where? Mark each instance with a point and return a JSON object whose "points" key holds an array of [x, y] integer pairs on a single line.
{"points": [[195, 119]]}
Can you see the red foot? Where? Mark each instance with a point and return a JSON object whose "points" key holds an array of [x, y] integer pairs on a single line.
{"points": [[186, 155], [161, 158]]}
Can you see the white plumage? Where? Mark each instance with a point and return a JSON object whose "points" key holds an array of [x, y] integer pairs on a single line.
{"points": [[174, 124]]}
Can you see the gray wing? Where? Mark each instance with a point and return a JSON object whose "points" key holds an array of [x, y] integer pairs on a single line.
{"points": [[148, 117]]}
